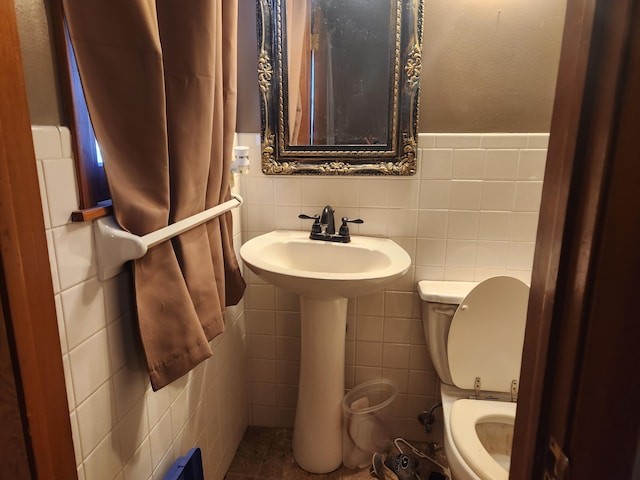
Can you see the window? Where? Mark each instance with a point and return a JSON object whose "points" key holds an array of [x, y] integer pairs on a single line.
{"points": [[95, 200]]}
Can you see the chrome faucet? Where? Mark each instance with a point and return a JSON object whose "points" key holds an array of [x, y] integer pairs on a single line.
{"points": [[327, 221]]}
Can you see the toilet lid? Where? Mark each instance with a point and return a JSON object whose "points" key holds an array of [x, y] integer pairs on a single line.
{"points": [[487, 333]]}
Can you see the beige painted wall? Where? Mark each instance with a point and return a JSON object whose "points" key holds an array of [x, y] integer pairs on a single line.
{"points": [[37, 59], [488, 65]]}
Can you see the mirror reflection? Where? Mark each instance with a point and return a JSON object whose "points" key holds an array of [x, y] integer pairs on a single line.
{"points": [[339, 85], [339, 71]]}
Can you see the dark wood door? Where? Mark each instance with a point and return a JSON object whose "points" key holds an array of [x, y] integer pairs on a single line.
{"points": [[14, 460], [580, 378]]}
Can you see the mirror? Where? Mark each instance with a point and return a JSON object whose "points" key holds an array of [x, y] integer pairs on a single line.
{"points": [[339, 83]]}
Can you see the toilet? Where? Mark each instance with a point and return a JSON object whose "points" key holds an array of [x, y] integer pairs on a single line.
{"points": [[475, 333]]}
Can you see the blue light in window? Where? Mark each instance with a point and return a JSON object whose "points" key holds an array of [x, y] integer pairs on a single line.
{"points": [[99, 160]]}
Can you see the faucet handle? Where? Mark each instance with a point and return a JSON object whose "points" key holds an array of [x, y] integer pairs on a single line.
{"points": [[346, 220], [344, 228], [316, 227]]}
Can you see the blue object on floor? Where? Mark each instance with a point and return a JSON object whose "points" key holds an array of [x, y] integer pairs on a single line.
{"points": [[188, 467]]}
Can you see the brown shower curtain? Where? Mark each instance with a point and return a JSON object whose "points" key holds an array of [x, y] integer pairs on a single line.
{"points": [[160, 81]]}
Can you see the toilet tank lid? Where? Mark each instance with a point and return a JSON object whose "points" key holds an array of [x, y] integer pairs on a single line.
{"points": [[442, 291]]}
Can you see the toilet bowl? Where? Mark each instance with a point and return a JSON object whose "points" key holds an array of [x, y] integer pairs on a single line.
{"points": [[467, 453], [475, 333]]}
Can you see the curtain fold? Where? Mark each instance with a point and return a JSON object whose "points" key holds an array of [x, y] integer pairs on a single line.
{"points": [[159, 78]]}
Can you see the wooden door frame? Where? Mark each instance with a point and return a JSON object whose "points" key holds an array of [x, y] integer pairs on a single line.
{"points": [[28, 299], [569, 333]]}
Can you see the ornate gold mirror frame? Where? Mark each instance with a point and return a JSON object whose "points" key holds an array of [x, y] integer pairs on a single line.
{"points": [[394, 156]]}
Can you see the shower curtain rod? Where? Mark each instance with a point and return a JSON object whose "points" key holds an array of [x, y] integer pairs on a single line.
{"points": [[115, 246]]}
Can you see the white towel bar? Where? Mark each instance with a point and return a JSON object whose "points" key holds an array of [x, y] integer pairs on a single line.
{"points": [[115, 246]]}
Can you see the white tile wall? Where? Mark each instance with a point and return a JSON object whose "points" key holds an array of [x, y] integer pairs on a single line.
{"points": [[121, 429], [470, 213]]}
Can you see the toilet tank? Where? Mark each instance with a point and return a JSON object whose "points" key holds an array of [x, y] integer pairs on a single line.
{"points": [[440, 300]]}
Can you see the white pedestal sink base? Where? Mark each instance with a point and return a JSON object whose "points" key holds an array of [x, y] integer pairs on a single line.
{"points": [[317, 433], [324, 274]]}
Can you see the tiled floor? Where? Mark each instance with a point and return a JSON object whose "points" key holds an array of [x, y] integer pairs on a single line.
{"points": [[265, 454]]}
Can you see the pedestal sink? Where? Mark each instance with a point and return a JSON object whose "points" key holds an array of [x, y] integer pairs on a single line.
{"points": [[324, 275]]}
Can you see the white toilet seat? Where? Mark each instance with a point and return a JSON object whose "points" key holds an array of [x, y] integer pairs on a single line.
{"points": [[465, 415], [484, 340], [486, 335]]}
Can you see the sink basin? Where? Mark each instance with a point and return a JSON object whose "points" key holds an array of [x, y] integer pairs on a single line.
{"points": [[324, 275], [314, 268]]}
